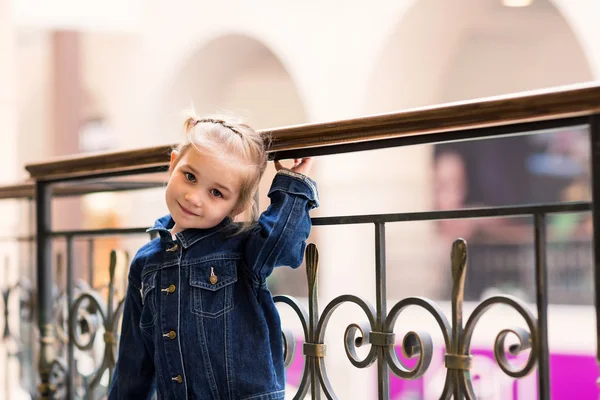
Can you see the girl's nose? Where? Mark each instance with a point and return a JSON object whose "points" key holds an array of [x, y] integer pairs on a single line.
{"points": [[194, 199]]}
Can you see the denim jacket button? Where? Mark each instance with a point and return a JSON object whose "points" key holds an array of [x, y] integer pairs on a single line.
{"points": [[213, 278], [170, 289], [171, 335], [174, 248], [178, 379]]}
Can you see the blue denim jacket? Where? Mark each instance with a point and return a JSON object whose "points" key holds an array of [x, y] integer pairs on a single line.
{"points": [[199, 321]]}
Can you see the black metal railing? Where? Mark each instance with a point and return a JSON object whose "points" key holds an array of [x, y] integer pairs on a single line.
{"points": [[17, 316], [19, 298], [489, 118]]}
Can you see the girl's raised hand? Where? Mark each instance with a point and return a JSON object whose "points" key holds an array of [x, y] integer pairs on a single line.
{"points": [[301, 165]]}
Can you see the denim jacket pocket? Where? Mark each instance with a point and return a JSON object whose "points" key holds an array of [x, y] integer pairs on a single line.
{"points": [[148, 299], [211, 284]]}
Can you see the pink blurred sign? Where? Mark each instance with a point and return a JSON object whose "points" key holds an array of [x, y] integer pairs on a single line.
{"points": [[572, 376]]}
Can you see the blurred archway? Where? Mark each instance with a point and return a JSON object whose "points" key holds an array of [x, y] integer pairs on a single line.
{"points": [[237, 74], [441, 52], [450, 51]]}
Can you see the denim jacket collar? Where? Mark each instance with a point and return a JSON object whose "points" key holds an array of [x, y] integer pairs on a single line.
{"points": [[187, 237]]}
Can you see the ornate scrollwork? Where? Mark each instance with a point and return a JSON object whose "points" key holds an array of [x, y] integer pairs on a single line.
{"points": [[456, 335], [367, 327], [527, 340], [415, 343], [89, 313], [289, 341], [352, 341], [85, 322], [58, 378], [23, 290]]}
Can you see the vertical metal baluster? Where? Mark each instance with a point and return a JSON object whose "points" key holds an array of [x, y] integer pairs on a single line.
{"points": [[31, 260], [6, 334], [6, 289], [70, 319], [312, 264], [595, 182], [44, 285], [541, 291], [383, 371], [91, 262], [109, 336], [458, 258]]}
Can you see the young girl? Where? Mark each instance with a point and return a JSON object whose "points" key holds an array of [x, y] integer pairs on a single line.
{"points": [[199, 321]]}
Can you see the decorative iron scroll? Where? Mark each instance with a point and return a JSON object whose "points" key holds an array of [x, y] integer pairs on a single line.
{"points": [[88, 314], [14, 340], [457, 336], [26, 298]]}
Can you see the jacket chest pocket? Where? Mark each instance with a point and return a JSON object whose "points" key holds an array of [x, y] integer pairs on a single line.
{"points": [[212, 287], [148, 293]]}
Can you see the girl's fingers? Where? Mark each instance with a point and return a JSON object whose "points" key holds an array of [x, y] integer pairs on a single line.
{"points": [[301, 165], [306, 161], [304, 166]]}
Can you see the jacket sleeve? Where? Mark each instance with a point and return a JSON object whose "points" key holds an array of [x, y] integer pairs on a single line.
{"points": [[133, 377], [279, 236]]}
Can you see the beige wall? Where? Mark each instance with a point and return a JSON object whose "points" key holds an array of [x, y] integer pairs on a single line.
{"points": [[9, 261]]}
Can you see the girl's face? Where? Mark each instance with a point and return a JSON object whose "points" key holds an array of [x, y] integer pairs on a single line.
{"points": [[202, 190]]}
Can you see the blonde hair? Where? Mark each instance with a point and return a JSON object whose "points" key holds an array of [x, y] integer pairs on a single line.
{"points": [[230, 138]]}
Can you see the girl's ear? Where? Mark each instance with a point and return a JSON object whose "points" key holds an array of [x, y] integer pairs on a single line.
{"points": [[238, 210], [173, 161]]}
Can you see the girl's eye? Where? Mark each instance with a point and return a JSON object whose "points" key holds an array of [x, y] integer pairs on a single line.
{"points": [[190, 177], [216, 193]]}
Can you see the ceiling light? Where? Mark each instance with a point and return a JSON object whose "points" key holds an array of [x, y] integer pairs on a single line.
{"points": [[516, 3]]}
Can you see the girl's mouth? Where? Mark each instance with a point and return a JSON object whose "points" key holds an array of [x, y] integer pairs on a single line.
{"points": [[186, 211]]}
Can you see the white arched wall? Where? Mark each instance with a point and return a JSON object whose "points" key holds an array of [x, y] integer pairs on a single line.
{"points": [[33, 56], [582, 17], [327, 62], [506, 50], [8, 208], [233, 73]]}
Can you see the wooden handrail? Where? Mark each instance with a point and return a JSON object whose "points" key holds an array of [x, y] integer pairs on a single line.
{"points": [[23, 190], [26, 190], [562, 102]]}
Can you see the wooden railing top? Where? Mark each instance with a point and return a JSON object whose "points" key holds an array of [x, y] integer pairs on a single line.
{"points": [[26, 190], [17, 191], [562, 102]]}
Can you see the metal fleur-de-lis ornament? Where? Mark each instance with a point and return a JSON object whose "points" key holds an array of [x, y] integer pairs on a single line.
{"points": [[313, 350], [309, 319], [455, 361], [312, 267]]}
